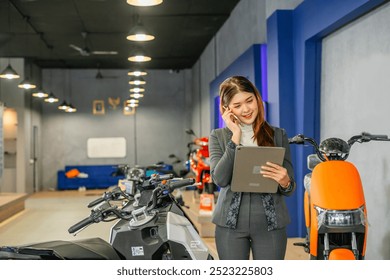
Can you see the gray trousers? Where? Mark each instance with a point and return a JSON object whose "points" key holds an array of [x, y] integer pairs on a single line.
{"points": [[251, 234]]}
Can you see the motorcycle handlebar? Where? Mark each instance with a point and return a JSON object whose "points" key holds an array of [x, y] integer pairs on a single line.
{"points": [[181, 183], [96, 202], [115, 194], [87, 221], [162, 177]]}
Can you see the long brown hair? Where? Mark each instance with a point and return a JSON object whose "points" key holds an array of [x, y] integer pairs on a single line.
{"points": [[263, 133]]}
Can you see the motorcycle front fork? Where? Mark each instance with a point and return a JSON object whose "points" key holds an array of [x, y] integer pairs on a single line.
{"points": [[353, 246]]}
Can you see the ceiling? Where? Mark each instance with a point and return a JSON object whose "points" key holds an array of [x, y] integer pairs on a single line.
{"points": [[43, 30]]}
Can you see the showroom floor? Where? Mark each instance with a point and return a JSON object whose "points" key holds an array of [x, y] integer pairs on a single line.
{"points": [[48, 215]]}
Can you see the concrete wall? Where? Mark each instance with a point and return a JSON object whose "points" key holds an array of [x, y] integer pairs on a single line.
{"points": [[354, 98], [20, 177], [155, 131], [246, 26], [182, 101]]}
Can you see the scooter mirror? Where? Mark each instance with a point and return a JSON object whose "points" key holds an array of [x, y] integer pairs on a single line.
{"points": [[312, 161]]}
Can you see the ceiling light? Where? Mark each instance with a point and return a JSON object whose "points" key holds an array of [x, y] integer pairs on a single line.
{"points": [[51, 98], [9, 73], [137, 81], [70, 109], [139, 58], [63, 106], [137, 89], [130, 101], [144, 3], [138, 55], [26, 84], [137, 73], [136, 95], [40, 93], [139, 34], [132, 105]]}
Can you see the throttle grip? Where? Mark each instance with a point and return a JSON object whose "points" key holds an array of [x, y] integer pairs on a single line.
{"points": [[298, 139], [181, 183], [96, 202], [80, 225]]}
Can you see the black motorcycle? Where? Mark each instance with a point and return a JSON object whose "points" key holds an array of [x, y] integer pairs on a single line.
{"points": [[151, 226]]}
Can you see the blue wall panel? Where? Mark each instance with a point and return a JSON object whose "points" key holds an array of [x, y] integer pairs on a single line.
{"points": [[306, 26], [247, 65]]}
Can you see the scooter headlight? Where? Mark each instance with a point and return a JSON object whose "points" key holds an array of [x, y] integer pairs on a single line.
{"points": [[340, 218]]}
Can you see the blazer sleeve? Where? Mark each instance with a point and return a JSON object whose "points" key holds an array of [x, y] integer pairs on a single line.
{"points": [[221, 158], [287, 163]]}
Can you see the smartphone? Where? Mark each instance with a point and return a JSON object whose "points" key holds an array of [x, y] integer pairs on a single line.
{"points": [[234, 118]]}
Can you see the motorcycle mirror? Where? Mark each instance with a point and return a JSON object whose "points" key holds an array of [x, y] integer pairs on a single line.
{"points": [[190, 132]]}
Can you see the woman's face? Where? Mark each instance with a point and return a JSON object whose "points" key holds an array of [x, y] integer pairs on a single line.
{"points": [[244, 106]]}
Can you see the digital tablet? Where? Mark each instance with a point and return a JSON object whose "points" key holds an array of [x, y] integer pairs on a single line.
{"points": [[247, 166]]}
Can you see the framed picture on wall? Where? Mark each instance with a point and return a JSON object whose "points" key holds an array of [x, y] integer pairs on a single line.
{"points": [[128, 110], [98, 107]]}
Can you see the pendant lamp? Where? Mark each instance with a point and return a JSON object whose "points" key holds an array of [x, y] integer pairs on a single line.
{"points": [[139, 55], [137, 72], [63, 106], [26, 84], [39, 93], [139, 34], [51, 98], [137, 81], [9, 73], [137, 89], [139, 58], [136, 95], [70, 109], [144, 3]]}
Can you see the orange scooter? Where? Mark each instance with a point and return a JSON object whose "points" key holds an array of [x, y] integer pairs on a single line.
{"points": [[334, 204], [199, 163]]}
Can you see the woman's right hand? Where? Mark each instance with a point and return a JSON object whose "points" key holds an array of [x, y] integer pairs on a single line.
{"points": [[232, 122]]}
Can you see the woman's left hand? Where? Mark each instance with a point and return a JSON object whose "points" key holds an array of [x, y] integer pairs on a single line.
{"points": [[277, 173]]}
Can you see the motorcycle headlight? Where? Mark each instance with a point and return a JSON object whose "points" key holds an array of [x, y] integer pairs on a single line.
{"points": [[340, 218]]}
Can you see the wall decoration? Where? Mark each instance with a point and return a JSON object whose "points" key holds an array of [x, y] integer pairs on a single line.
{"points": [[98, 107], [127, 110], [114, 102], [106, 147]]}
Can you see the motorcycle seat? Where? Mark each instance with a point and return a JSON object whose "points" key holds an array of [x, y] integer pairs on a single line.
{"points": [[85, 249]]}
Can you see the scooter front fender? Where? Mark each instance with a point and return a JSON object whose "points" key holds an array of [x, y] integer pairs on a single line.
{"points": [[341, 254]]}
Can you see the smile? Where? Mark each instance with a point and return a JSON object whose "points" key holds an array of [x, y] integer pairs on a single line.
{"points": [[247, 116]]}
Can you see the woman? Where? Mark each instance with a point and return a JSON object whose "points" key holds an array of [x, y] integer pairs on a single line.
{"points": [[248, 222]]}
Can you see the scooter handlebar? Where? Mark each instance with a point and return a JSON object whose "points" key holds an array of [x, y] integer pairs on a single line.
{"points": [[87, 221], [375, 137], [298, 139]]}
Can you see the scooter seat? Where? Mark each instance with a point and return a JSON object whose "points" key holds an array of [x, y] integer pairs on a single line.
{"points": [[85, 249]]}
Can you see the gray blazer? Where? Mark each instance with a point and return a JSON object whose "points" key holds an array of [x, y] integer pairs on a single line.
{"points": [[221, 166]]}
